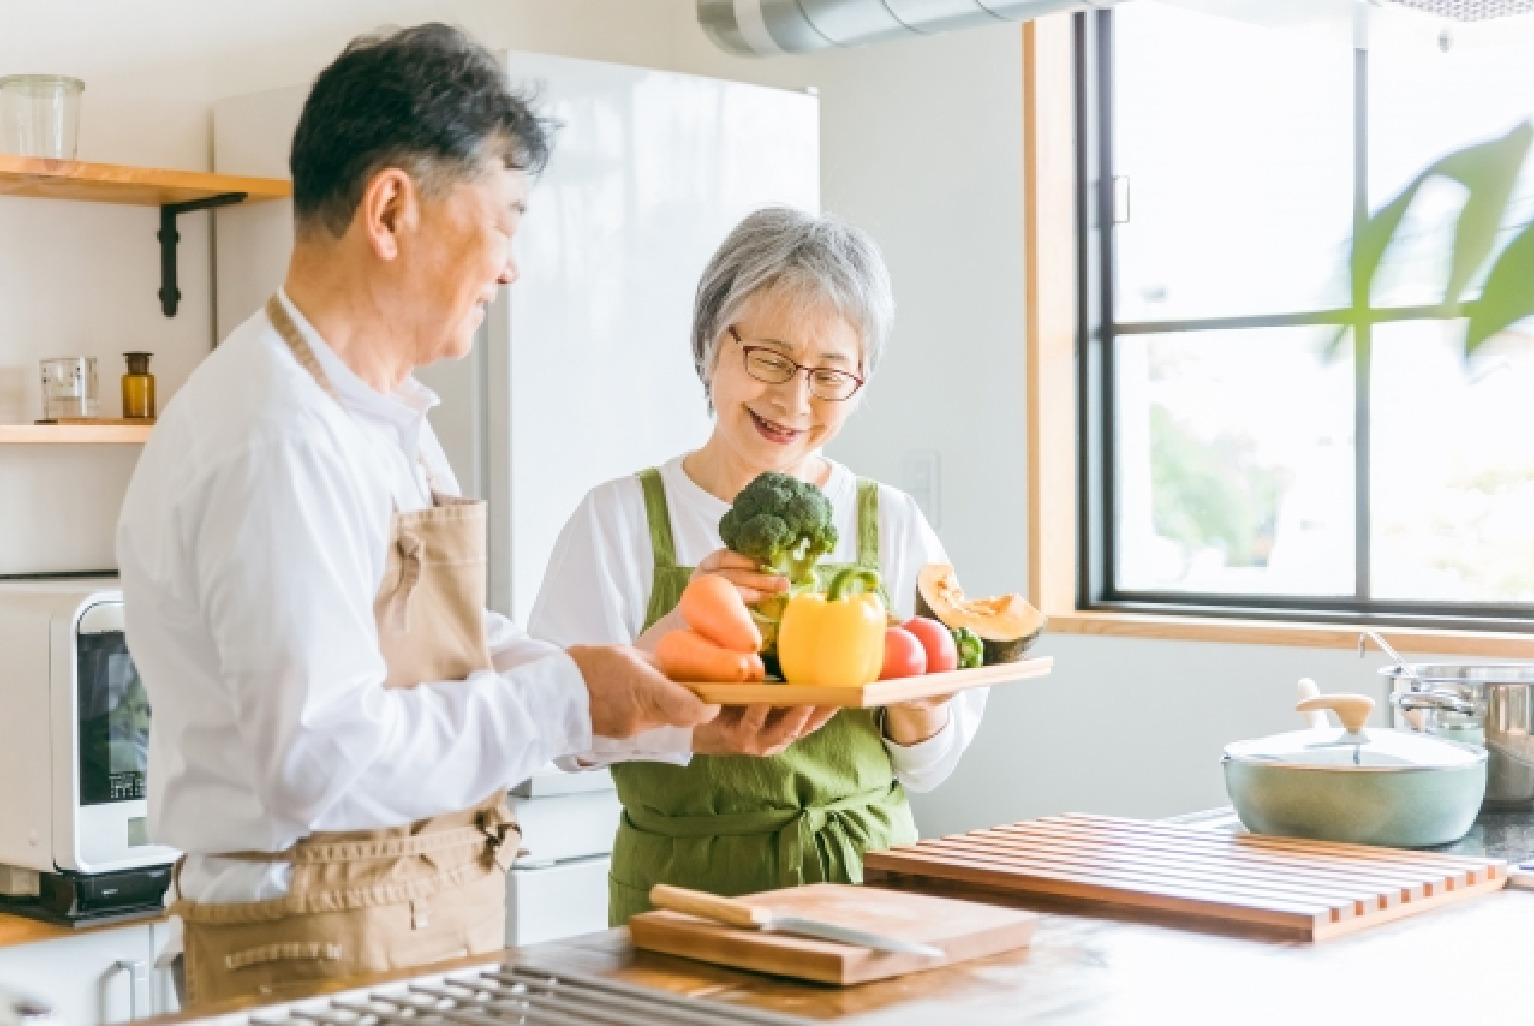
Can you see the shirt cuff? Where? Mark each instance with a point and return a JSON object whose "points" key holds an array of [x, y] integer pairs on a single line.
{"points": [[911, 762], [663, 744], [556, 696]]}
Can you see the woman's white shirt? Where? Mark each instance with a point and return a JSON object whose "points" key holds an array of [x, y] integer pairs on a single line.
{"points": [[597, 591]]}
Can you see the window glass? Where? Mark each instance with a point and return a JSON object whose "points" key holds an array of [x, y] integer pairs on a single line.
{"points": [[1452, 459], [1233, 464], [1426, 101], [1234, 456], [1237, 143]]}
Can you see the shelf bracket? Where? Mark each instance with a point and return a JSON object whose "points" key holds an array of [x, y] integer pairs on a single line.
{"points": [[170, 295]]}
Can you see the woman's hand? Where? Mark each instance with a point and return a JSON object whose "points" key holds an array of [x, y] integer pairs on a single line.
{"points": [[760, 730], [743, 572], [910, 723]]}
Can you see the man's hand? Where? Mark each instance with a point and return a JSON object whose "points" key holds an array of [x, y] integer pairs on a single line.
{"points": [[629, 695], [760, 730]]}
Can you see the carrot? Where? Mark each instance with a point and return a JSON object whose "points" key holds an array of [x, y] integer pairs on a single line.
{"points": [[687, 655], [713, 607]]}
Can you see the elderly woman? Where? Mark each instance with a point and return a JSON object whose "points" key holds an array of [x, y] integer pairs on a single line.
{"points": [[790, 320]]}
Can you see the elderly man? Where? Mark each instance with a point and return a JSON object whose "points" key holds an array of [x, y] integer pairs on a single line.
{"points": [[336, 715]]}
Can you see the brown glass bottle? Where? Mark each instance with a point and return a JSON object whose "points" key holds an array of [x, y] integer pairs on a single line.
{"points": [[138, 387]]}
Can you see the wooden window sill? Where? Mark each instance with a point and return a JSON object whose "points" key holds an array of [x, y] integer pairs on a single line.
{"points": [[1164, 627]]}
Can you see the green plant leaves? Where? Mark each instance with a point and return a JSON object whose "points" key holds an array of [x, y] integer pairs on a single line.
{"points": [[1508, 296], [1488, 172]]}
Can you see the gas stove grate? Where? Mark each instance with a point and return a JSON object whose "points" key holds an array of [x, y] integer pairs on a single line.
{"points": [[510, 995]]}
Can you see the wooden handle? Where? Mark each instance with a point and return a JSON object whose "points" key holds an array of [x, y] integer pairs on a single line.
{"points": [[707, 906], [1352, 710], [1309, 690]]}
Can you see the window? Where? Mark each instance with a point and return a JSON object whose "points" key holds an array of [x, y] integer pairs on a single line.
{"points": [[1242, 453]]}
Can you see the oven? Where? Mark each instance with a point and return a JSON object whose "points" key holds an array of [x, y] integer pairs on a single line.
{"points": [[74, 747]]}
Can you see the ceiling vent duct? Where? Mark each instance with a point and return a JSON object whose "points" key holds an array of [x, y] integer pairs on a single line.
{"points": [[767, 28], [1472, 10]]}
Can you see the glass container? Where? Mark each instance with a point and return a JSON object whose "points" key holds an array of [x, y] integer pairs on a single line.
{"points": [[40, 115], [69, 387], [138, 387]]}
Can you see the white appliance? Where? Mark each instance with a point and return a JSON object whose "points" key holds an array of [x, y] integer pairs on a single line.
{"points": [[583, 372], [76, 726]]}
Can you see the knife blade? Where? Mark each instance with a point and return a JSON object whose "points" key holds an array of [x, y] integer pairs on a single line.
{"points": [[733, 912], [847, 935]]}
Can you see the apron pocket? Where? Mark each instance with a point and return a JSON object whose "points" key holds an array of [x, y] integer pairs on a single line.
{"points": [[283, 951]]}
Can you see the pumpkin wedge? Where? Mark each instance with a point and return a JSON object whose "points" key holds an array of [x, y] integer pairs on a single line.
{"points": [[1005, 624]]}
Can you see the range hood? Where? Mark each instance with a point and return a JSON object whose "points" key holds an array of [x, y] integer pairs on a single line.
{"points": [[767, 28]]}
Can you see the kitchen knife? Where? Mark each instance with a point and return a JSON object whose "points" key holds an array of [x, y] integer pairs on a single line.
{"points": [[738, 913]]}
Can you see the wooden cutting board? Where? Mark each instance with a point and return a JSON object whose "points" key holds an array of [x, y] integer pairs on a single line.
{"points": [[1308, 890], [963, 929], [866, 696]]}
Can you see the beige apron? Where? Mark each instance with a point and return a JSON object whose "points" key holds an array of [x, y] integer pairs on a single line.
{"points": [[373, 900]]}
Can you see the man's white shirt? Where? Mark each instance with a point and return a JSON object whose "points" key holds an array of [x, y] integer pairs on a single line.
{"points": [[251, 545]]}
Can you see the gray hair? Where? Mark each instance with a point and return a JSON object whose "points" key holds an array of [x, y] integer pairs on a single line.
{"points": [[817, 259]]}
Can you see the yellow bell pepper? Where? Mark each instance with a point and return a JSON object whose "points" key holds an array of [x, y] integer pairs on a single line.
{"points": [[835, 639]]}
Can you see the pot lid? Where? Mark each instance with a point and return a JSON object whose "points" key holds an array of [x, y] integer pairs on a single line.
{"points": [[1372, 750]]}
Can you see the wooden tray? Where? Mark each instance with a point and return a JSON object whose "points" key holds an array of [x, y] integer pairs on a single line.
{"points": [[118, 421], [867, 696], [1307, 890], [963, 929]]}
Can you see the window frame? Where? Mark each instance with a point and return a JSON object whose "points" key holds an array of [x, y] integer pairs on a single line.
{"points": [[1069, 302]]}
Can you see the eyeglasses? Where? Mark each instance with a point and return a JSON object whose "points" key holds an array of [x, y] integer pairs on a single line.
{"points": [[771, 367]]}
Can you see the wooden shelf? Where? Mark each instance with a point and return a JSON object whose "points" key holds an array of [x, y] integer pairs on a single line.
{"points": [[74, 434], [135, 186]]}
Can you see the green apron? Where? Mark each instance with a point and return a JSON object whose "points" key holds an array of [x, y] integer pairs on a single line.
{"points": [[736, 824]]}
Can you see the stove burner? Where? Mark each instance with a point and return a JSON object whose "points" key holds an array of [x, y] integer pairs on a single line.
{"points": [[503, 996]]}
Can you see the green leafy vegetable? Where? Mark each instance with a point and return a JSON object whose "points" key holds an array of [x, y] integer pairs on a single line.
{"points": [[971, 648], [783, 522]]}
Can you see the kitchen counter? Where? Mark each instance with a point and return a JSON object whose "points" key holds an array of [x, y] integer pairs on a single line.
{"points": [[1463, 962], [1454, 964], [15, 929], [1460, 963]]}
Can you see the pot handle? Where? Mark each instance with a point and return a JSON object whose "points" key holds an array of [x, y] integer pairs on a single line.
{"points": [[1352, 710], [1442, 701], [1308, 689]]}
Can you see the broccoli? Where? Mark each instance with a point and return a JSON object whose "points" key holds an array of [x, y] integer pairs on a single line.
{"points": [[782, 521]]}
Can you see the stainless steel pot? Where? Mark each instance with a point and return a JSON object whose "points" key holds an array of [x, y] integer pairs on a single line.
{"points": [[1481, 703], [1387, 787]]}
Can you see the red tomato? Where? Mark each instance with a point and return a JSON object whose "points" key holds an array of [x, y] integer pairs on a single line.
{"points": [[904, 655], [942, 653]]}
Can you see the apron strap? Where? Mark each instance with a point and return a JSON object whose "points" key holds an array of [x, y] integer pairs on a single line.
{"points": [[277, 313], [659, 518], [491, 826], [303, 352], [868, 523]]}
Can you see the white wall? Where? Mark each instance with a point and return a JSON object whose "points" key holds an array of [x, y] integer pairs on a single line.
{"points": [[921, 144], [81, 279]]}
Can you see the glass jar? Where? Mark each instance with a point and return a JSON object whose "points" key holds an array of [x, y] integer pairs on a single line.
{"points": [[69, 387], [138, 388], [40, 115]]}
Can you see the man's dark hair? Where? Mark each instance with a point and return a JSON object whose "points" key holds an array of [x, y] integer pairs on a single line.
{"points": [[428, 100]]}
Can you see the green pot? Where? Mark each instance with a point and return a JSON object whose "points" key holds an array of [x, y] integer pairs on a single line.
{"points": [[1383, 787]]}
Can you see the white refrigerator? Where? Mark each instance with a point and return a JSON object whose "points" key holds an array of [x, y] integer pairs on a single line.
{"points": [[583, 372]]}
